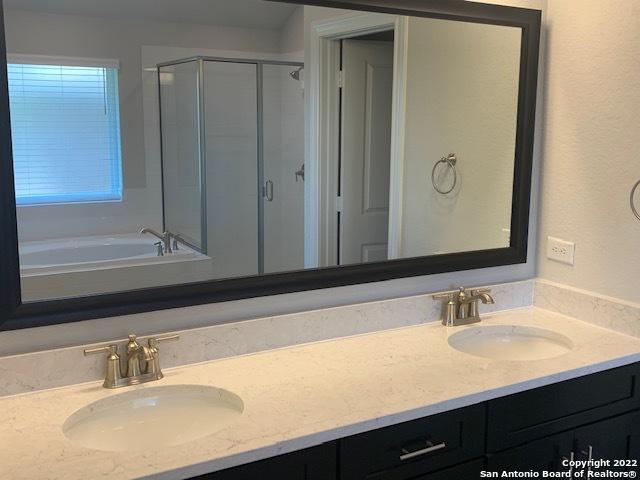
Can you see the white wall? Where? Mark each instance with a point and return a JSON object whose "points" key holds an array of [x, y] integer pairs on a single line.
{"points": [[68, 35], [462, 98], [292, 34], [592, 144]]}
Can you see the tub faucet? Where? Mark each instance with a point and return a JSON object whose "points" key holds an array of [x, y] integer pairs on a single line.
{"points": [[165, 238], [460, 307]]}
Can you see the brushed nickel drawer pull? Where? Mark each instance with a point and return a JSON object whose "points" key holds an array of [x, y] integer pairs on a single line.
{"points": [[423, 451]]}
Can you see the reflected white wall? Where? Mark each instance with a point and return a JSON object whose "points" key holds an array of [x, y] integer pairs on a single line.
{"points": [[462, 98]]}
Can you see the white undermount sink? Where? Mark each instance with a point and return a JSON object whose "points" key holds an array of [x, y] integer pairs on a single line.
{"points": [[153, 417], [511, 342]]}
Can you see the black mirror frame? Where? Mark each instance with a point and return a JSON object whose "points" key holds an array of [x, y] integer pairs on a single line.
{"points": [[16, 315]]}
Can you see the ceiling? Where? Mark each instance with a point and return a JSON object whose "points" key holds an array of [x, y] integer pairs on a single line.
{"points": [[230, 13]]}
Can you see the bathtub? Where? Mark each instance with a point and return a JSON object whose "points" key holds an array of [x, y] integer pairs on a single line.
{"points": [[93, 253]]}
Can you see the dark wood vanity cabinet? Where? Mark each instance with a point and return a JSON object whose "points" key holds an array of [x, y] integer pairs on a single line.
{"points": [[317, 463], [597, 415], [594, 415], [546, 454], [613, 438], [522, 417], [608, 439]]}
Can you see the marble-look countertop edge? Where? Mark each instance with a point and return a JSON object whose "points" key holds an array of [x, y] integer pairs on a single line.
{"points": [[308, 441]]}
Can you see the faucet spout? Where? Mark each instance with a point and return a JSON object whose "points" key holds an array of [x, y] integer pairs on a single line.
{"points": [[152, 232], [134, 353], [484, 298]]}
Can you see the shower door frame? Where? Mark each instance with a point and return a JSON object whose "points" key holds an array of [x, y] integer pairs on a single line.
{"points": [[202, 144]]}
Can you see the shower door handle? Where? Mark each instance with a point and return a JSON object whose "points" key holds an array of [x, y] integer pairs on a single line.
{"points": [[267, 191]]}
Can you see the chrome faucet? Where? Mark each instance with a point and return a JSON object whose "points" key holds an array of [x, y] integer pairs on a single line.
{"points": [[165, 238], [142, 362], [460, 307]]}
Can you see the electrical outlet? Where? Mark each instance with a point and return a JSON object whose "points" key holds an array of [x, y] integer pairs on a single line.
{"points": [[560, 250]]}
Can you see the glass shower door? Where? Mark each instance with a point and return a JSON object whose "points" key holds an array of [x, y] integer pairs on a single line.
{"points": [[231, 146], [283, 156], [233, 162]]}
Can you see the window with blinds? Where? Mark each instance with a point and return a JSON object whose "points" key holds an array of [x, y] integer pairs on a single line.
{"points": [[66, 133]]}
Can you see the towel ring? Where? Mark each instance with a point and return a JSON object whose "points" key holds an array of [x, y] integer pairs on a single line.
{"points": [[450, 160], [631, 202]]}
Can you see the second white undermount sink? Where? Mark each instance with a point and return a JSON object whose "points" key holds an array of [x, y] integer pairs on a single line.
{"points": [[153, 417], [511, 342]]}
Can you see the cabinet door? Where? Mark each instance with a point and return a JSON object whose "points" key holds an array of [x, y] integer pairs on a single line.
{"points": [[464, 471], [611, 439], [544, 454], [317, 463]]}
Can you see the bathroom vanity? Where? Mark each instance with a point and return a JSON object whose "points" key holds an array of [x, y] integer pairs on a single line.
{"points": [[395, 404], [592, 417]]}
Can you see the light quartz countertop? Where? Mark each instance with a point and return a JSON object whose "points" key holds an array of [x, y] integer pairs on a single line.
{"points": [[302, 396]]}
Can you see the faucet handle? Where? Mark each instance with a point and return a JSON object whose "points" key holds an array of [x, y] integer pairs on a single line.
{"points": [[113, 376], [177, 238], [132, 342], [153, 341], [154, 364], [444, 296], [449, 307], [111, 349], [159, 249]]}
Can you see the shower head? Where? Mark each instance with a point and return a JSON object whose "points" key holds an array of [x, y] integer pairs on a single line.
{"points": [[296, 73]]}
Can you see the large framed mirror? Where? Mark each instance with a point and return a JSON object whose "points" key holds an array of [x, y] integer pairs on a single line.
{"points": [[163, 154]]}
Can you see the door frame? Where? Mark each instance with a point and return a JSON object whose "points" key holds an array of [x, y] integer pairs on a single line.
{"points": [[323, 146]]}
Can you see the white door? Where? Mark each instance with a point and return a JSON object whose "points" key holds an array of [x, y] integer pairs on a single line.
{"points": [[367, 87]]}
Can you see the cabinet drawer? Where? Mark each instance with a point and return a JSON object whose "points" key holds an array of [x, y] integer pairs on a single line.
{"points": [[414, 448], [316, 463], [466, 471], [525, 416]]}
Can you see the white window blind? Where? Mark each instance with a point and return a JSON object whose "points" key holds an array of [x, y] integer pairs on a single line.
{"points": [[66, 132]]}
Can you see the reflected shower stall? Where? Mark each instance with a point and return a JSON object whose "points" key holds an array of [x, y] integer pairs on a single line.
{"points": [[232, 152]]}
